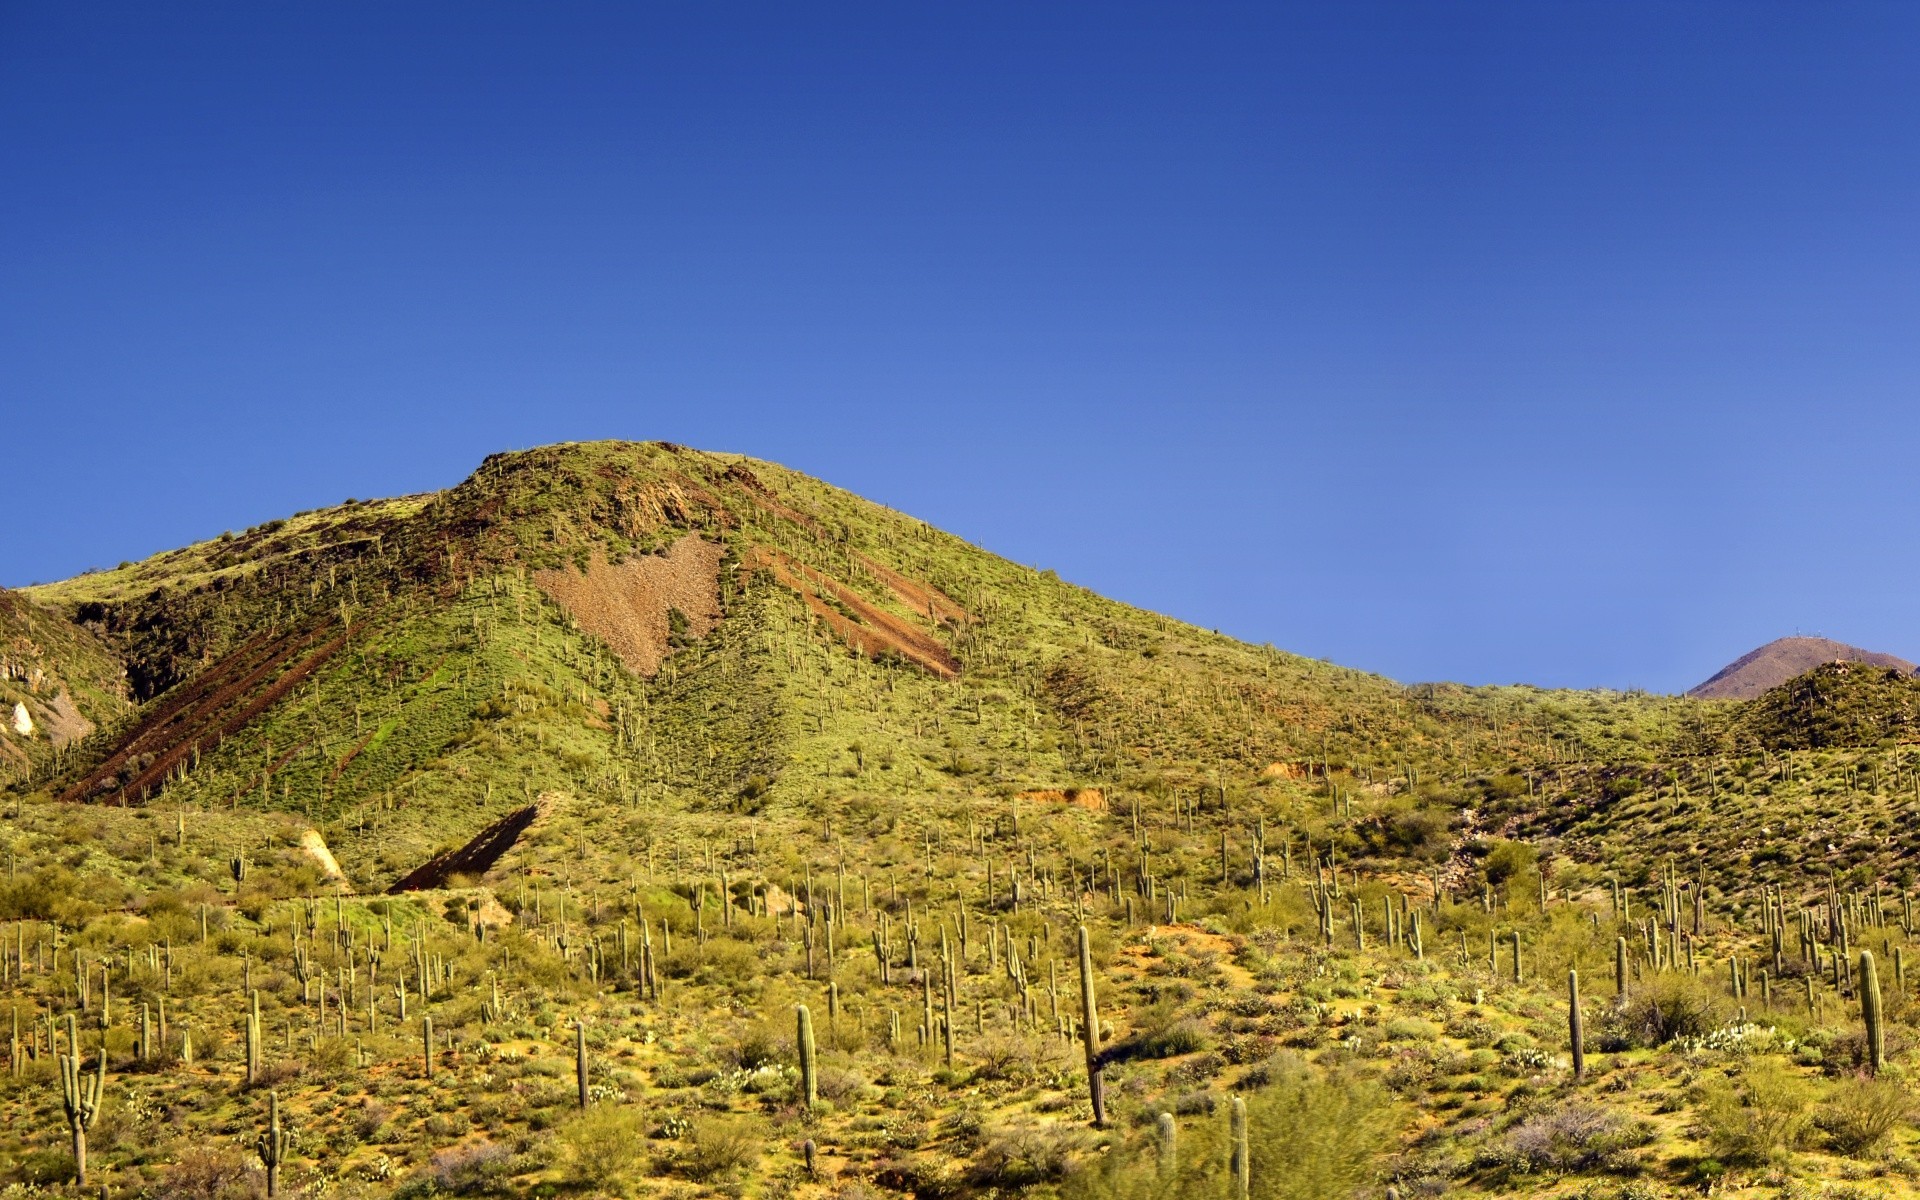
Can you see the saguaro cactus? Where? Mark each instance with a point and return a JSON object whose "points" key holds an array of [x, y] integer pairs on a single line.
{"points": [[1165, 1137], [81, 1096], [1576, 1026], [426, 1045], [809, 1072], [253, 1041], [273, 1145], [1242, 1159], [580, 1059], [1620, 968], [1090, 1033], [1870, 1011]]}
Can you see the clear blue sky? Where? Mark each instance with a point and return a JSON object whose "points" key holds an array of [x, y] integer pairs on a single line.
{"points": [[1553, 342]]}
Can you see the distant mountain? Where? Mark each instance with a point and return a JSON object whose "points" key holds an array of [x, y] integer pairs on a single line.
{"points": [[1785, 658]]}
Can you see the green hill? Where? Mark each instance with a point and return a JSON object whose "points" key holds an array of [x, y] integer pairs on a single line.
{"points": [[667, 742]]}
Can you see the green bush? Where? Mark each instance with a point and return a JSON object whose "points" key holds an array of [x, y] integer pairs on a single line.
{"points": [[1757, 1116], [720, 1146], [1672, 1005], [604, 1146], [1316, 1136], [1859, 1114]]}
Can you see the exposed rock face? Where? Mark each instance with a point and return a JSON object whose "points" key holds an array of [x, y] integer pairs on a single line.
{"points": [[22, 721]]}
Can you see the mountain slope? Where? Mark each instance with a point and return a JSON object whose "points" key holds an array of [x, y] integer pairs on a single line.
{"points": [[518, 821], [57, 682], [615, 619], [1782, 659]]}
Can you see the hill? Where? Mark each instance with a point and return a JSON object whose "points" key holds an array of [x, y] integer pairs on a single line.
{"points": [[634, 819], [1782, 659], [58, 682]]}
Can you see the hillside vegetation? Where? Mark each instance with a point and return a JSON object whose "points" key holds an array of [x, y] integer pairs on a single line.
{"points": [[630, 819]]}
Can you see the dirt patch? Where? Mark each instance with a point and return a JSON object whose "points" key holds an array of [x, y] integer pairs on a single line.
{"points": [[1294, 770], [63, 722], [1093, 799], [477, 856], [629, 605], [1192, 941], [857, 621]]}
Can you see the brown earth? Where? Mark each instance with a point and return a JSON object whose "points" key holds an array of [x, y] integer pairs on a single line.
{"points": [[1088, 798], [63, 720], [627, 604], [1783, 659], [857, 621], [1294, 770]]}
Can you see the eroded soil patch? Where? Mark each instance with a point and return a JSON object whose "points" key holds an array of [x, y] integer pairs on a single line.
{"points": [[629, 605], [854, 619]]}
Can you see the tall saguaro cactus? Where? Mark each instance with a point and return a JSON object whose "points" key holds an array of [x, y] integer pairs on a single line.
{"points": [[81, 1096], [580, 1058], [809, 1071], [273, 1145], [1242, 1158], [1576, 1026], [253, 1040], [1090, 1033], [1870, 1011]]}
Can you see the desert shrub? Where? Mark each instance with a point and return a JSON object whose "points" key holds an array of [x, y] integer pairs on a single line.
{"points": [[1020, 1156], [1859, 1114], [719, 1146], [1131, 1170], [759, 1046], [1573, 1137], [1506, 860], [1758, 1115], [1160, 1036], [213, 1173], [1849, 1050], [1011, 1056], [604, 1147], [482, 1169], [1420, 832], [837, 1084], [1669, 1006], [1316, 1136]]}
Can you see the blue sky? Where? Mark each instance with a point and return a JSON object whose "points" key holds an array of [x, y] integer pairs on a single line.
{"points": [[1562, 343]]}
